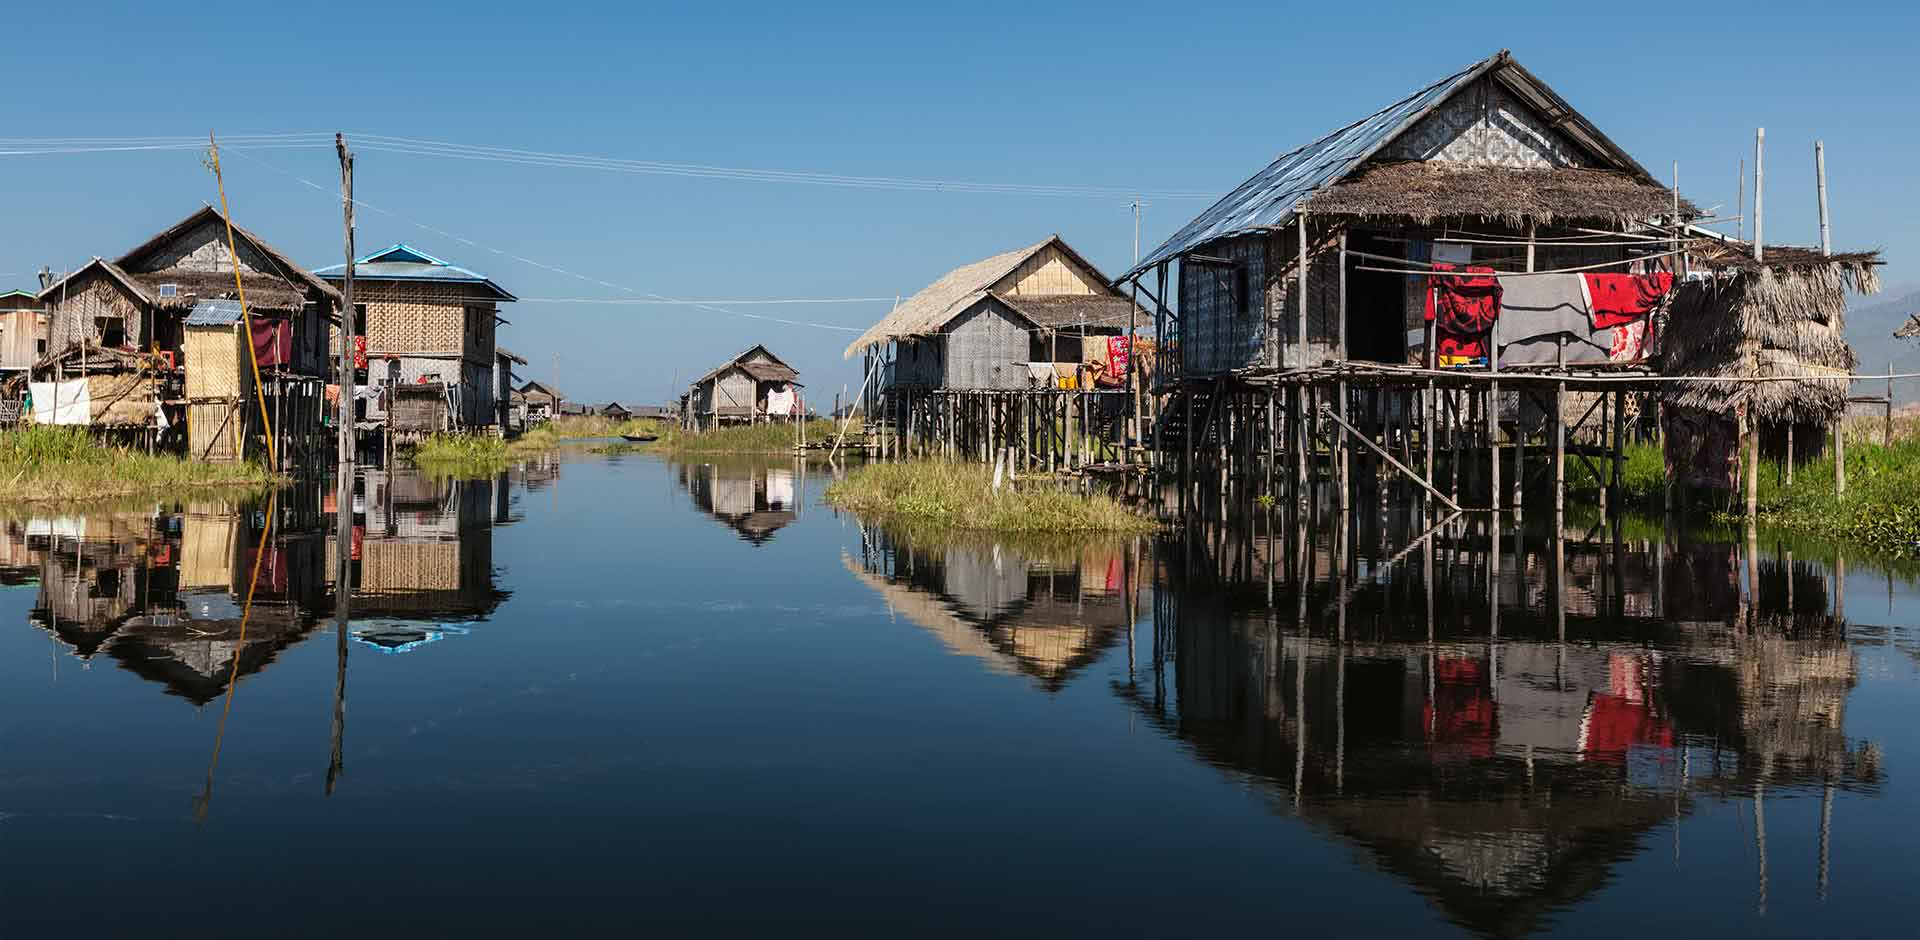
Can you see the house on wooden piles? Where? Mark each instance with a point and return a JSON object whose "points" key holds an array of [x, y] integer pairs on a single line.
{"points": [[752, 387], [506, 399], [23, 330], [1479, 225], [987, 325], [427, 322], [135, 312], [542, 402]]}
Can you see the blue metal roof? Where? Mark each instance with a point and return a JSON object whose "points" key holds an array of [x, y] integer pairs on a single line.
{"points": [[215, 313], [1268, 199], [403, 262]]}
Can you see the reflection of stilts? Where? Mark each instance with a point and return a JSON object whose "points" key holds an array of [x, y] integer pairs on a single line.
{"points": [[342, 603], [1759, 835], [205, 802], [1826, 833]]}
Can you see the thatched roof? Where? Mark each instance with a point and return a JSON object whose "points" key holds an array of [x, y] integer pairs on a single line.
{"points": [[769, 371], [775, 370], [1425, 192], [1065, 311], [138, 260], [264, 291], [930, 310], [1910, 330], [1784, 317]]}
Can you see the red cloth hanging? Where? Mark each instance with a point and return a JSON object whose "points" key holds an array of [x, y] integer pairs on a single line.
{"points": [[272, 339], [1462, 308], [1622, 298]]}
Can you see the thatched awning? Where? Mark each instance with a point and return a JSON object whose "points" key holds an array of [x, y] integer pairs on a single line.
{"points": [[1066, 311], [264, 291], [1423, 193], [769, 371], [1783, 318]]}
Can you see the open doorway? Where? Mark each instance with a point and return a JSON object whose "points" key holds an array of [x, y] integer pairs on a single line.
{"points": [[1376, 302]]}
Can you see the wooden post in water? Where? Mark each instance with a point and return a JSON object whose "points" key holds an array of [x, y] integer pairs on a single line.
{"points": [[1559, 429]]}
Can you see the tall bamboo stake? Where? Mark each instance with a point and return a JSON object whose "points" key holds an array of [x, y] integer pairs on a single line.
{"points": [[240, 289]]}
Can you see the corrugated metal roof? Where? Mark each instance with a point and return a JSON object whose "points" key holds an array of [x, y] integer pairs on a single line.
{"points": [[215, 313], [403, 262], [1268, 199]]}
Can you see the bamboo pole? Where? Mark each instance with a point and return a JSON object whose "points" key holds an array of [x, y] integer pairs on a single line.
{"points": [[1759, 192], [1820, 183], [240, 290]]}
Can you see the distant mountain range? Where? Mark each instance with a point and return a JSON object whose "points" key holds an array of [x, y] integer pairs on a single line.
{"points": [[1870, 325]]}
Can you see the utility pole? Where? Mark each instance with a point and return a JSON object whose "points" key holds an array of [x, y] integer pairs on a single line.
{"points": [[345, 422], [343, 500]]}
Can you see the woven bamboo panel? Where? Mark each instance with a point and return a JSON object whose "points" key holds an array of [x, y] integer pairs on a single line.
{"points": [[206, 550], [1049, 273], [121, 401], [215, 358], [409, 566], [413, 318], [216, 429]]}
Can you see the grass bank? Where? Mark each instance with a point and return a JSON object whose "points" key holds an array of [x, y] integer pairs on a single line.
{"points": [[482, 454], [1881, 509], [776, 438], [961, 497], [41, 463]]}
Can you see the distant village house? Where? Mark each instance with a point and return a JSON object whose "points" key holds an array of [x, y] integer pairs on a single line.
{"points": [[751, 387]]}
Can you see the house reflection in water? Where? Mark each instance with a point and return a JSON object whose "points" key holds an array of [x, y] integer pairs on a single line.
{"points": [[161, 591], [422, 555], [1043, 614], [1502, 757], [754, 500]]}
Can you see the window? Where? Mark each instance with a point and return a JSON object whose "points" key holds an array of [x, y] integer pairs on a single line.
{"points": [[111, 330], [359, 319]]}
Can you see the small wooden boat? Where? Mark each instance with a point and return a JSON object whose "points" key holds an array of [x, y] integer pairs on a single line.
{"points": [[640, 438]]}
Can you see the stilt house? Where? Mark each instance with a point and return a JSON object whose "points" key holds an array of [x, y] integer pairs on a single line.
{"points": [[1478, 225], [23, 330], [751, 387], [981, 325], [425, 321], [139, 307], [542, 401]]}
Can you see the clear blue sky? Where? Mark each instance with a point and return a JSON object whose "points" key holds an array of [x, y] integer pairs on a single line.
{"points": [[1160, 97]]}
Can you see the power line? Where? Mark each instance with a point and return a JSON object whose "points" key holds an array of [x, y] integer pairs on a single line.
{"points": [[413, 146], [542, 265]]}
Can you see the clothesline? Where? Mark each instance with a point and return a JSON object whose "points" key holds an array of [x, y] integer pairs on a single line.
{"points": [[1428, 268], [1561, 377]]}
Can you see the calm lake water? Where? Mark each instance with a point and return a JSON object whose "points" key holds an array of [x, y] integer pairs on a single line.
{"points": [[619, 693]]}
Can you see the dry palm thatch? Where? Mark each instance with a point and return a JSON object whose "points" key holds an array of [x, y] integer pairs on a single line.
{"points": [[1910, 329], [1423, 193], [1780, 318]]}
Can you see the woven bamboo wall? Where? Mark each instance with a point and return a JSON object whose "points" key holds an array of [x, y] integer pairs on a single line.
{"points": [[216, 430], [216, 362], [421, 318], [122, 400], [409, 566], [97, 296], [206, 549]]}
